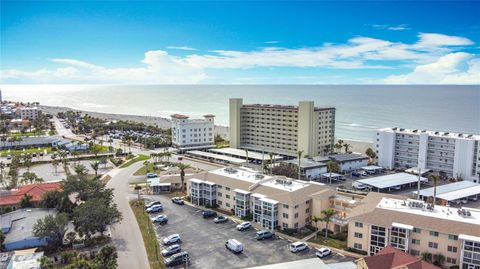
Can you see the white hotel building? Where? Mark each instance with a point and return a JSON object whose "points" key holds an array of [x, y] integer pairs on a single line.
{"points": [[193, 133], [281, 129], [455, 154]]}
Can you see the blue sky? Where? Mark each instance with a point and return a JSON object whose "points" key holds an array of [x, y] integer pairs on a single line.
{"points": [[225, 42]]}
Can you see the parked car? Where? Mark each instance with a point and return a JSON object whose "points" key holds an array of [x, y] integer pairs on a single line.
{"points": [[464, 201], [155, 208], [9, 157], [356, 174], [171, 239], [152, 204], [264, 234], [234, 246], [151, 175], [362, 173], [298, 246], [160, 219], [473, 198], [177, 259], [171, 250], [323, 252], [209, 214], [244, 226], [220, 219], [178, 201]]}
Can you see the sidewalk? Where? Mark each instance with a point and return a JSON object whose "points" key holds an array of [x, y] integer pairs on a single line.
{"points": [[284, 236]]}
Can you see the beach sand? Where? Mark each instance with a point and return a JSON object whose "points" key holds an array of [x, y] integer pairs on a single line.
{"points": [[357, 146]]}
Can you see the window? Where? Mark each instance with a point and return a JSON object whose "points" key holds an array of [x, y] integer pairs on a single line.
{"points": [[307, 202], [219, 202], [432, 245], [358, 235], [432, 233], [285, 215], [452, 249], [227, 188], [285, 206], [219, 186], [296, 206], [417, 230], [357, 246], [227, 196], [452, 237], [296, 215], [296, 225], [219, 194], [227, 205], [415, 252], [358, 224], [307, 210], [284, 225], [415, 241], [451, 260]]}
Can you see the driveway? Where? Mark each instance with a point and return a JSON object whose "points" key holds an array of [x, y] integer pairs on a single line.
{"points": [[204, 240], [126, 236]]}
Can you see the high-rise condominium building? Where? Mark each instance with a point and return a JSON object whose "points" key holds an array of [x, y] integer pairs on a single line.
{"points": [[282, 129], [457, 155], [417, 228], [192, 133]]}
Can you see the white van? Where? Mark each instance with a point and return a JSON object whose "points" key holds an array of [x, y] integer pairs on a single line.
{"points": [[234, 245]]}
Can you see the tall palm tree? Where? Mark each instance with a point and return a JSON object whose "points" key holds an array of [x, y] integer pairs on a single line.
{"points": [[167, 154], [95, 166], [270, 154], [347, 147], [182, 168], [299, 154], [331, 167], [316, 219], [146, 164], [339, 144], [327, 218], [434, 179]]}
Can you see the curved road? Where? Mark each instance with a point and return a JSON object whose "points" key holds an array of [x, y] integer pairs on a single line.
{"points": [[126, 236]]}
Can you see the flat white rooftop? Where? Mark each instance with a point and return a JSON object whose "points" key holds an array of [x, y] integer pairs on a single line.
{"points": [[440, 212], [242, 154], [443, 189], [459, 194], [433, 133], [391, 180], [253, 177]]}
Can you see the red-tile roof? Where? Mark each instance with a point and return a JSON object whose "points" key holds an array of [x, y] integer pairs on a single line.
{"points": [[179, 116], [35, 190], [390, 257]]}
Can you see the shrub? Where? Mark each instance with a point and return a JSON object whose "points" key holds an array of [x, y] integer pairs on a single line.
{"points": [[361, 252]]}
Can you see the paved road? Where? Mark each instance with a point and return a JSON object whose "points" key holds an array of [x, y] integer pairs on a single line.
{"points": [[126, 235]]}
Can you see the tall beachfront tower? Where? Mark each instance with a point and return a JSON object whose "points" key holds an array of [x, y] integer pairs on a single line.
{"points": [[281, 129], [189, 134], [451, 153]]}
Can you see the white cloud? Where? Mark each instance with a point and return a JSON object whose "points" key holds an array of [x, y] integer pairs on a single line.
{"points": [[429, 52], [453, 68], [181, 48], [272, 42], [400, 27]]}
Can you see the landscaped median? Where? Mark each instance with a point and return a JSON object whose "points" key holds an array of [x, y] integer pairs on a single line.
{"points": [[148, 233], [138, 158]]}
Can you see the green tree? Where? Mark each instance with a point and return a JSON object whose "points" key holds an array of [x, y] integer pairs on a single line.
{"points": [[327, 218], [51, 199], [26, 201], [30, 177], [438, 259], [332, 167], [95, 215], [299, 156], [53, 227], [146, 164], [95, 166], [46, 263], [427, 256], [316, 219], [2, 240], [182, 167], [347, 147], [339, 145], [80, 170], [107, 257], [371, 154]]}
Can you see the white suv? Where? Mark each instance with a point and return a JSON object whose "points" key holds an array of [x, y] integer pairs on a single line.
{"points": [[298, 246], [323, 252], [244, 226], [174, 238]]}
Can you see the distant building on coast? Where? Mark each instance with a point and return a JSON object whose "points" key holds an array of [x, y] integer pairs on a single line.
{"points": [[454, 154], [282, 129], [189, 134]]}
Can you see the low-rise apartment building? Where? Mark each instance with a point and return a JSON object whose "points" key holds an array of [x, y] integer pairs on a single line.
{"points": [[416, 227], [271, 201], [281, 129], [456, 155], [28, 112], [193, 133]]}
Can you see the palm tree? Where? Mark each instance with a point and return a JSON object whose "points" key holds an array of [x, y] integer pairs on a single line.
{"points": [[270, 154], [299, 153], [434, 179], [146, 164], [80, 170], [55, 164], [27, 161], [167, 154], [438, 259], [327, 217], [31, 178], [427, 256], [182, 168], [347, 147], [95, 165], [331, 167], [316, 219], [339, 144], [327, 150]]}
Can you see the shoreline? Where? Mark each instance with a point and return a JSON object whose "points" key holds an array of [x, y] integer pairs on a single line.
{"points": [[356, 145]]}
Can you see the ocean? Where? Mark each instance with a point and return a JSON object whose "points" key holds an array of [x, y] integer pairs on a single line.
{"points": [[360, 108]]}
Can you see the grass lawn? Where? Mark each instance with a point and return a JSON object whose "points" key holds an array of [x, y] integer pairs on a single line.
{"points": [[143, 170], [334, 243], [27, 134], [4, 153], [139, 158], [148, 233]]}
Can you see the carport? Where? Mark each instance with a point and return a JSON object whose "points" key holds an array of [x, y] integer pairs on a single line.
{"points": [[390, 182], [372, 169], [448, 188], [331, 176], [459, 195]]}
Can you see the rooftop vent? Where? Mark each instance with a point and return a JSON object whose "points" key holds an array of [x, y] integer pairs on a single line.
{"points": [[283, 181], [415, 130], [413, 204], [436, 133], [446, 133], [464, 213], [395, 128], [230, 170], [259, 176], [402, 129]]}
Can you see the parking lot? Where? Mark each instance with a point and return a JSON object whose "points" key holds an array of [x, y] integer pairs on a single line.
{"points": [[204, 241]]}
